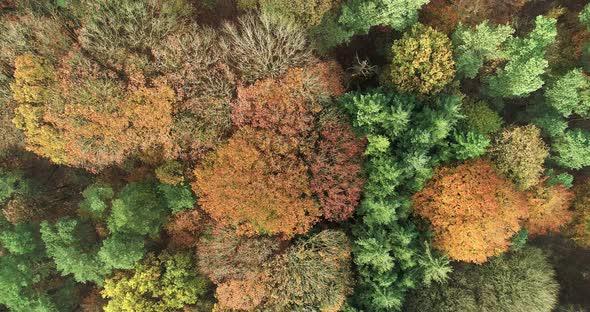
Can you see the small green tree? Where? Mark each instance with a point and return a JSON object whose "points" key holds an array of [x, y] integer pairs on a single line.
{"points": [[11, 183], [468, 145], [518, 281], [474, 47], [435, 268], [479, 117], [359, 16], [526, 62], [28, 280], [572, 149], [71, 244], [570, 94], [121, 251], [96, 200], [138, 209]]}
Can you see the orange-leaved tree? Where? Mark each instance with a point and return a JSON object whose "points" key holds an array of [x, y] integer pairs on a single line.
{"points": [[288, 105], [257, 184], [548, 208], [473, 210]]}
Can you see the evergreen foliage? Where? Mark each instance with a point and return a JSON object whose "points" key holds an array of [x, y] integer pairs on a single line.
{"points": [[474, 47], [526, 64], [403, 134]]}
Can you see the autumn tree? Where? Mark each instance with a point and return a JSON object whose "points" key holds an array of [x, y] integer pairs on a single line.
{"points": [[321, 262], [164, 282], [440, 15], [123, 32], [225, 256], [80, 116], [578, 229], [305, 13], [336, 170], [497, 11], [194, 64], [422, 61], [229, 184], [519, 154], [288, 106], [185, 227], [265, 45], [548, 208], [322, 265], [276, 121], [236, 265], [473, 211]]}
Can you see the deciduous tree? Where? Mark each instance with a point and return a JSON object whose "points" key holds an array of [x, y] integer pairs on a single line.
{"points": [[473, 211], [422, 61], [519, 154], [548, 208], [336, 170], [165, 282]]}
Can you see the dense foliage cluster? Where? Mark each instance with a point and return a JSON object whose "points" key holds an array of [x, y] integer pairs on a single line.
{"points": [[473, 211], [271, 155]]}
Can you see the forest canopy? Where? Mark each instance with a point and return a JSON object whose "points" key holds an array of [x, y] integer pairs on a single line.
{"points": [[270, 155]]}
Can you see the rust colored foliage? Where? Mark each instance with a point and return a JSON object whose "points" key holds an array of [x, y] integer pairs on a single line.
{"points": [[257, 184], [223, 255], [336, 170], [184, 228], [242, 295], [473, 12], [440, 15], [288, 105], [21, 209], [579, 230], [473, 211], [548, 208], [78, 115]]}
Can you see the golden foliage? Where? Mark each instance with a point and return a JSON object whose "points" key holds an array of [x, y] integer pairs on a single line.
{"points": [[422, 61]]}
